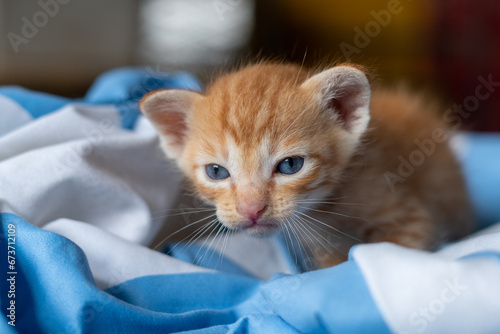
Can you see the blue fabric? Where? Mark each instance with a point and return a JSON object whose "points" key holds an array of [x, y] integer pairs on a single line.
{"points": [[483, 255], [35, 103], [212, 259], [122, 87], [481, 166], [333, 300], [55, 292], [125, 88], [205, 257]]}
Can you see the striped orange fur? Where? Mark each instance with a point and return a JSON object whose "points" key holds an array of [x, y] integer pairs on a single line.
{"points": [[350, 139]]}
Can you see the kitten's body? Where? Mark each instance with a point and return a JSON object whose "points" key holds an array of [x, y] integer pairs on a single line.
{"points": [[352, 178], [407, 195]]}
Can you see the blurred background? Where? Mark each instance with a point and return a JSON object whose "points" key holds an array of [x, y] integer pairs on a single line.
{"points": [[447, 47]]}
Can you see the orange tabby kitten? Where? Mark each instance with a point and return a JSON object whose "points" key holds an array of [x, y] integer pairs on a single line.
{"points": [[275, 146]]}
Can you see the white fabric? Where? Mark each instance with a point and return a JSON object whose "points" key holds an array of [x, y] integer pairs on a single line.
{"points": [[261, 257], [420, 292], [113, 260], [12, 115], [78, 163], [484, 240]]}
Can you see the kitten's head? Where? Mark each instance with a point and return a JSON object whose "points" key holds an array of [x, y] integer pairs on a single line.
{"points": [[263, 139]]}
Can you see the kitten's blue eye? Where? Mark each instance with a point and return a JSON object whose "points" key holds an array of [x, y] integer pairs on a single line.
{"points": [[290, 165], [216, 172]]}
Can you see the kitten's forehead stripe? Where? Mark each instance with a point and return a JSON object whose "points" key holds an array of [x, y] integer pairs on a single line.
{"points": [[247, 101]]}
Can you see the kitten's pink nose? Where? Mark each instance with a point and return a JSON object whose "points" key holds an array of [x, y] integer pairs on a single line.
{"points": [[252, 211]]}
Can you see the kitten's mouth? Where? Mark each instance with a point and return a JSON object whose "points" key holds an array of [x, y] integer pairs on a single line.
{"points": [[260, 229]]}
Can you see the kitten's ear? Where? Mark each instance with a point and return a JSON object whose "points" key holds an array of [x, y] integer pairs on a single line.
{"points": [[345, 92], [169, 111]]}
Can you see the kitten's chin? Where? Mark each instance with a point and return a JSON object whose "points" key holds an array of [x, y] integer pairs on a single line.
{"points": [[261, 229]]}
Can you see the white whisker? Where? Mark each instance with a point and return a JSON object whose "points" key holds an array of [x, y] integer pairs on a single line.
{"points": [[304, 222], [307, 234], [324, 198], [221, 229], [224, 245], [179, 230], [199, 231], [340, 214], [299, 240], [331, 227], [332, 203], [183, 209], [284, 238], [203, 245], [291, 243]]}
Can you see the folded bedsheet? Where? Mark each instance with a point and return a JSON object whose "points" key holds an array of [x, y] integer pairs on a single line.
{"points": [[82, 183]]}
